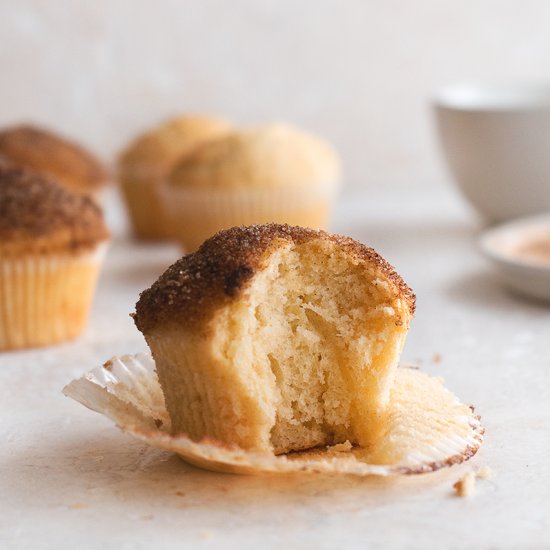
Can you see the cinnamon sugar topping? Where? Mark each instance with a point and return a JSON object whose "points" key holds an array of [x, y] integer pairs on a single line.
{"points": [[34, 208], [197, 285]]}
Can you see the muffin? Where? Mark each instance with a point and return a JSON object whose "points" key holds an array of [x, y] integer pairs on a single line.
{"points": [[145, 163], [54, 156], [275, 339], [51, 246], [274, 173]]}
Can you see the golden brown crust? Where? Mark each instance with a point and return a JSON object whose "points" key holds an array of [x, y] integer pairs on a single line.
{"points": [[190, 291], [272, 156], [155, 151], [37, 214], [47, 153]]}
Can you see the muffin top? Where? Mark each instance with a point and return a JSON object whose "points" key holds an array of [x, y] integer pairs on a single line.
{"points": [[157, 150], [271, 156], [39, 215], [191, 290], [47, 153]]}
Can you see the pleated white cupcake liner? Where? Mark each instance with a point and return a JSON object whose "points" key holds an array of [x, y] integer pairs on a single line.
{"points": [[44, 298], [245, 202], [419, 437], [196, 214]]}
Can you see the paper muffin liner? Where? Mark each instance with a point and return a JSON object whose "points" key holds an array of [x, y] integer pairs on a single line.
{"points": [[427, 427], [196, 214], [148, 215], [45, 299]]}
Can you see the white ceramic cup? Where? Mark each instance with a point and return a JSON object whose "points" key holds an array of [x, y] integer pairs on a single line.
{"points": [[496, 141]]}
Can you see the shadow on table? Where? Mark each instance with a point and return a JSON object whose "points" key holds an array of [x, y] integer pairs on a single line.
{"points": [[138, 274], [137, 263], [115, 468], [484, 289], [411, 232]]}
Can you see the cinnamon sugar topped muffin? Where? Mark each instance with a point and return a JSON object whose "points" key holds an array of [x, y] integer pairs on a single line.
{"points": [[47, 153], [192, 289], [145, 163], [38, 215], [277, 338], [51, 247]]}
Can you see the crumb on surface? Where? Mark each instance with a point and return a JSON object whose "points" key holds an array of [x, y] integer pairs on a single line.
{"points": [[345, 447], [77, 506], [465, 486], [485, 473], [436, 358]]}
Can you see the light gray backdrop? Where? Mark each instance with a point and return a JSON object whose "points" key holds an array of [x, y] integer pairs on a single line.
{"points": [[359, 72]]}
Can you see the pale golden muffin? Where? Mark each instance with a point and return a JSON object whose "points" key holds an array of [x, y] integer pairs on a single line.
{"points": [[277, 338], [144, 165], [51, 246], [274, 173], [47, 153]]}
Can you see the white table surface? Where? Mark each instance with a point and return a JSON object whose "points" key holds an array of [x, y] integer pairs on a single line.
{"points": [[70, 479]]}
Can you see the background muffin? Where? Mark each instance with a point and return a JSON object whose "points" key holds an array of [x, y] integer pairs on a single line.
{"points": [[146, 162], [54, 156], [274, 173], [50, 254]]}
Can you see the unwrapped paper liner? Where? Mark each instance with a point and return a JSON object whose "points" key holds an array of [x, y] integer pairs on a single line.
{"points": [[427, 428]]}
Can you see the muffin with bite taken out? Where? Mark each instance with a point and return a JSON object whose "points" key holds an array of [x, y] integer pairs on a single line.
{"points": [[276, 339]]}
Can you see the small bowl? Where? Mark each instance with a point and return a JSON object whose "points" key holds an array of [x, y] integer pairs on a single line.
{"points": [[520, 272], [495, 140]]}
